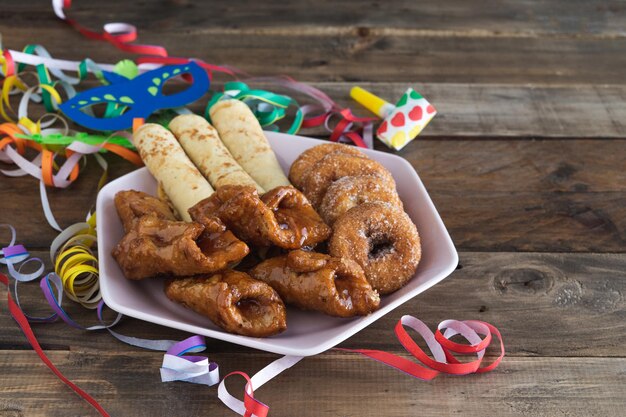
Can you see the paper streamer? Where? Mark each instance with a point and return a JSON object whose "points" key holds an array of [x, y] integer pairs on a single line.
{"points": [[21, 133], [13, 255], [348, 128], [267, 107], [439, 344], [198, 369], [342, 125], [76, 264], [22, 321], [42, 167], [120, 35], [194, 369]]}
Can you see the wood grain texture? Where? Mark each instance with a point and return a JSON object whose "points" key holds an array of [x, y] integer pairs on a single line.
{"points": [[127, 385], [519, 43], [557, 195], [577, 17], [497, 110], [545, 305], [502, 74], [477, 111], [530, 17]]}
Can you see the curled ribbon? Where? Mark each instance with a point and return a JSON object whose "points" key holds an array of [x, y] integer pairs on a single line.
{"points": [[40, 135], [198, 369], [267, 107], [119, 35], [13, 255], [75, 263], [348, 127], [194, 369], [440, 345], [22, 321]]}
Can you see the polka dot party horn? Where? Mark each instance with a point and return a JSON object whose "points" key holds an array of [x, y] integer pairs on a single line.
{"points": [[402, 122]]}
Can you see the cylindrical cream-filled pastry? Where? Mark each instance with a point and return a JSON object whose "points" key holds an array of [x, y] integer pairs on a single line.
{"points": [[203, 145], [172, 168], [243, 136]]}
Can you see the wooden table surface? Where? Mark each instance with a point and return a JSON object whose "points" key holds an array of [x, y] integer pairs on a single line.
{"points": [[525, 162]]}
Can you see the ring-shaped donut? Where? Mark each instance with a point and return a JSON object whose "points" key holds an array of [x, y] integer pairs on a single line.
{"points": [[335, 166], [301, 167], [383, 240], [349, 192]]}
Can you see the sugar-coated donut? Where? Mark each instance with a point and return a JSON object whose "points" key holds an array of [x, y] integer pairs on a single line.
{"points": [[383, 240], [335, 166], [302, 166], [349, 192]]}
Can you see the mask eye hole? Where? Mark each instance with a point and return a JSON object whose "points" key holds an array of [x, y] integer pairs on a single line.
{"points": [[173, 85], [101, 108]]}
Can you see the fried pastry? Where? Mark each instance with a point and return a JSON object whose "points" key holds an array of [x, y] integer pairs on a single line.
{"points": [[233, 301], [383, 240], [156, 246], [131, 205], [348, 192], [282, 217], [313, 281], [335, 166], [303, 165]]}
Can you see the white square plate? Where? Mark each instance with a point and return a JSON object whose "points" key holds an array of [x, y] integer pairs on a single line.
{"points": [[308, 333]]}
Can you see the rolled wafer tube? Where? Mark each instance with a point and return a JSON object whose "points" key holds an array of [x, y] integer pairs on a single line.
{"points": [[167, 162], [313, 281], [202, 144], [243, 136], [233, 301]]}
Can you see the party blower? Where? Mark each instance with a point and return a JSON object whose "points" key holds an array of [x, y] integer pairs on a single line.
{"points": [[403, 122]]}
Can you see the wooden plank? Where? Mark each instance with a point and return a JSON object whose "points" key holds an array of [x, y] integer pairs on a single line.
{"points": [[370, 55], [528, 18], [561, 222], [561, 195], [471, 111], [544, 304], [495, 110], [325, 385]]}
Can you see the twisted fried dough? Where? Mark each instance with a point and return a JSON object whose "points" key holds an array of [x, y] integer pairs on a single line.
{"points": [[282, 217], [155, 247], [131, 205], [313, 281], [233, 301]]}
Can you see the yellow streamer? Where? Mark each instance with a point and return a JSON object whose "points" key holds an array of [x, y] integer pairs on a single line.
{"points": [[77, 266]]}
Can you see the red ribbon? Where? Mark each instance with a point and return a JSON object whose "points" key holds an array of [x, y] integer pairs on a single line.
{"points": [[426, 368], [432, 367], [252, 405], [119, 35], [9, 63], [22, 321]]}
